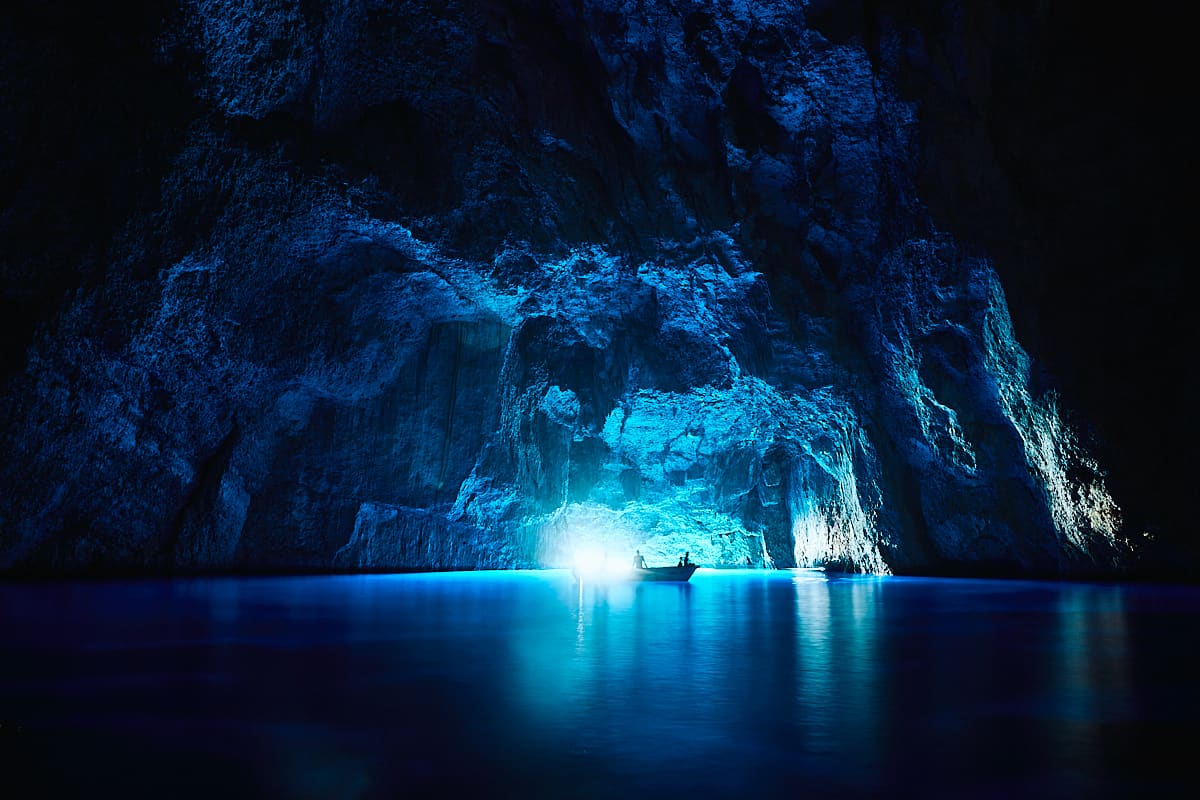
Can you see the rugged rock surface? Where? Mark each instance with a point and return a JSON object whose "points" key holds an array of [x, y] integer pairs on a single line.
{"points": [[478, 284]]}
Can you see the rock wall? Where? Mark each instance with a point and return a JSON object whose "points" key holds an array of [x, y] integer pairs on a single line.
{"points": [[482, 284]]}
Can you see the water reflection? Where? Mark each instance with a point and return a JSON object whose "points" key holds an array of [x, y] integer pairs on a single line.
{"points": [[737, 683], [1091, 685]]}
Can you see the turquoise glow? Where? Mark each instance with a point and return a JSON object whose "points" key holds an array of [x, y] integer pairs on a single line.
{"points": [[738, 684]]}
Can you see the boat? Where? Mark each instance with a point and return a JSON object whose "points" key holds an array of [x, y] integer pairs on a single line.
{"points": [[596, 569], [678, 574], [681, 574]]}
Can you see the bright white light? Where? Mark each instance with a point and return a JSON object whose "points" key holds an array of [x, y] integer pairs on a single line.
{"points": [[595, 564]]}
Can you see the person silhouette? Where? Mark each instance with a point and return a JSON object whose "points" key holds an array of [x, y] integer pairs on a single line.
{"points": [[638, 561], [687, 558]]}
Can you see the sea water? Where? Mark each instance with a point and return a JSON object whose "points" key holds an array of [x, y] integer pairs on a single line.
{"points": [[530, 684]]}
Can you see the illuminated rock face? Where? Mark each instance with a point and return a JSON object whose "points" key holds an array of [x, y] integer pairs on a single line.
{"points": [[488, 284]]}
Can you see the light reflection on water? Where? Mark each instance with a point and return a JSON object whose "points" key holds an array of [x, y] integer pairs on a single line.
{"points": [[739, 683]]}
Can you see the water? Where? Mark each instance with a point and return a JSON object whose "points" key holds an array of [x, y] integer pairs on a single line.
{"points": [[525, 684]]}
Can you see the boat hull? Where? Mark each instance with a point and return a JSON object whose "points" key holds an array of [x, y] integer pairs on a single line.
{"points": [[679, 574]]}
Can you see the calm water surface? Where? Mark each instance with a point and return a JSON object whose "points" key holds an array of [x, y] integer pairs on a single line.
{"points": [[526, 684]]}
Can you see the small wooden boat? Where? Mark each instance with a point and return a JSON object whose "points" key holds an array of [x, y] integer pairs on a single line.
{"points": [[678, 574], [681, 574]]}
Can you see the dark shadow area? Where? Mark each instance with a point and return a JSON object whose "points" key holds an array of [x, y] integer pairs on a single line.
{"points": [[1051, 142]]}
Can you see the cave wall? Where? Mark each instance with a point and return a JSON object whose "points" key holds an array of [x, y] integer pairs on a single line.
{"points": [[477, 284]]}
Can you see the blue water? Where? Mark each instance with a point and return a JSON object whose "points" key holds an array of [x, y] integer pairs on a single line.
{"points": [[525, 684]]}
